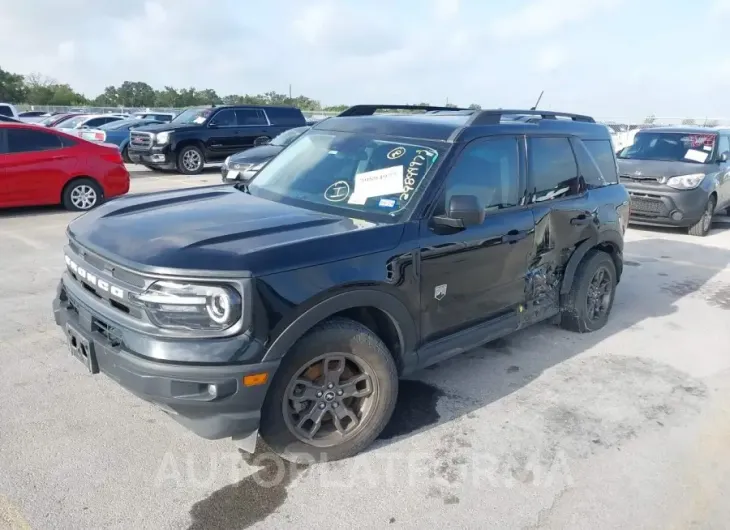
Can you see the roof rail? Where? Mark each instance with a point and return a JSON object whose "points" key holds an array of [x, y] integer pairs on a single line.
{"points": [[369, 110], [493, 117]]}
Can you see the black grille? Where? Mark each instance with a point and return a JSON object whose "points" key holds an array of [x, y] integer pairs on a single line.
{"points": [[140, 140], [647, 205], [634, 178]]}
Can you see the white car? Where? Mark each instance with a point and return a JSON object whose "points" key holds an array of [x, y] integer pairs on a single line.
{"points": [[8, 110], [78, 124]]}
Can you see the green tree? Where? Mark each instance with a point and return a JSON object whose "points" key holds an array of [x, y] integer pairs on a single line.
{"points": [[12, 87], [168, 97], [688, 121], [650, 119], [475, 106], [108, 98], [135, 94]]}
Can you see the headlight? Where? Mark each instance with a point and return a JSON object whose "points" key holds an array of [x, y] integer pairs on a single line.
{"points": [[163, 137], [685, 182], [192, 306], [257, 167], [226, 162]]}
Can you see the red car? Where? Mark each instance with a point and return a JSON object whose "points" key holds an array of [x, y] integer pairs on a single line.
{"points": [[42, 166]]}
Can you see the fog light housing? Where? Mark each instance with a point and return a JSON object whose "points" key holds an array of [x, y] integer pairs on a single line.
{"points": [[677, 215]]}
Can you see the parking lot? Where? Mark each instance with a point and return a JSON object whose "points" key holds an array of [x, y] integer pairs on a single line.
{"points": [[625, 427]]}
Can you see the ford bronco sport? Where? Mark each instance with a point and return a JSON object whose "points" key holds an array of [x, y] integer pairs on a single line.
{"points": [[372, 246]]}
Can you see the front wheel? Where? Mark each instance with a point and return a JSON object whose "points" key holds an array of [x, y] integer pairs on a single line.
{"points": [[590, 299], [190, 160], [702, 227], [125, 155], [332, 395]]}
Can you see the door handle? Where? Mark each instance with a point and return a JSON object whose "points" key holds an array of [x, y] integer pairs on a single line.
{"points": [[513, 236], [582, 219]]}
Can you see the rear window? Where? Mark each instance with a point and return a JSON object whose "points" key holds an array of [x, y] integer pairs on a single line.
{"points": [[5, 110], [30, 140], [602, 153]]}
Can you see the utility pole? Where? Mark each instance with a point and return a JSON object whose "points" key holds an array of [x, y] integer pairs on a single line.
{"points": [[289, 90]]}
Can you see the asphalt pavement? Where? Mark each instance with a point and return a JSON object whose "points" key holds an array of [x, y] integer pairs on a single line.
{"points": [[627, 427]]}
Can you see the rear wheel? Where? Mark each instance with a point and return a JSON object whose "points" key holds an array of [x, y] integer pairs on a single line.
{"points": [[332, 395], [702, 227], [190, 160], [82, 195], [590, 299]]}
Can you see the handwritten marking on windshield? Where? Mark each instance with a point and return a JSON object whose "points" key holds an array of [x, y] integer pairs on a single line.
{"points": [[337, 192]]}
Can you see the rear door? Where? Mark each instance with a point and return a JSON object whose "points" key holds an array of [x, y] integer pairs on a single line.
{"points": [[253, 127], [36, 166], [563, 210]]}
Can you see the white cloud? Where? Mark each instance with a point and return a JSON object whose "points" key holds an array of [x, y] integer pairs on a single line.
{"points": [[67, 51], [543, 17], [550, 58], [445, 9]]}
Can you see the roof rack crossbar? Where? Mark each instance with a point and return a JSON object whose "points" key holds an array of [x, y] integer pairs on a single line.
{"points": [[493, 117], [369, 110]]}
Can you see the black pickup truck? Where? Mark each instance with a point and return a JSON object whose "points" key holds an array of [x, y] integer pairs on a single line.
{"points": [[208, 135]]}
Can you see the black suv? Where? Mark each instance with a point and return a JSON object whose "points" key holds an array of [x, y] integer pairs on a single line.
{"points": [[370, 247], [198, 136], [677, 176]]}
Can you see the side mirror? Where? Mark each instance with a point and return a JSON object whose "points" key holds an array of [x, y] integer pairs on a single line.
{"points": [[722, 157], [463, 211]]}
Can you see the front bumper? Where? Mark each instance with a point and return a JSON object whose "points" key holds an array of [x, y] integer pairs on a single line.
{"points": [[156, 156], [230, 175], [210, 400], [662, 206]]}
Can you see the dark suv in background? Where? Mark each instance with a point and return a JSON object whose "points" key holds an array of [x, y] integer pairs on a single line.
{"points": [[198, 136], [371, 247], [677, 176]]}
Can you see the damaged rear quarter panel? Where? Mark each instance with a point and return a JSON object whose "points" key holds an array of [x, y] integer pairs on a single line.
{"points": [[558, 233]]}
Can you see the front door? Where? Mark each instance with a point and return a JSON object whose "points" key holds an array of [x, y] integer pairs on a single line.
{"points": [[723, 177], [476, 274], [222, 134]]}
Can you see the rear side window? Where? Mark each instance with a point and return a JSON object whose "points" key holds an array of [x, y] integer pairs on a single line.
{"points": [[723, 144], [251, 117], [552, 169], [285, 116], [602, 153], [29, 140], [5, 110]]}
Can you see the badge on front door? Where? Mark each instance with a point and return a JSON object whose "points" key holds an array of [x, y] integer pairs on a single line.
{"points": [[439, 292]]}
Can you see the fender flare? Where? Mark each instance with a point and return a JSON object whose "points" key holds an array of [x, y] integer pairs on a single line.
{"points": [[387, 303], [608, 236]]}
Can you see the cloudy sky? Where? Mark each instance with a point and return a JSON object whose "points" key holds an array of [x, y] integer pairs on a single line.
{"points": [[610, 58]]}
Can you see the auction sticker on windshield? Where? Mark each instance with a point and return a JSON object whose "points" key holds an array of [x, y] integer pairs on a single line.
{"points": [[387, 181]]}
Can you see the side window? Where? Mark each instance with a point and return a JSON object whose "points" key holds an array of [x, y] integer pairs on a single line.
{"points": [[6, 111], [552, 169], [723, 144], [488, 169], [251, 117], [224, 118], [602, 153], [96, 122], [28, 140]]}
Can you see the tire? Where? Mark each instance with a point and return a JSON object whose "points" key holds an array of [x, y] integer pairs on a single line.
{"points": [[575, 314], [185, 158], [702, 227], [72, 198], [341, 337], [125, 155]]}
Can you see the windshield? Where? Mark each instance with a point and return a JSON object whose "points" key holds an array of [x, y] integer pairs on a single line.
{"points": [[672, 147], [361, 174], [193, 116], [289, 136], [72, 123]]}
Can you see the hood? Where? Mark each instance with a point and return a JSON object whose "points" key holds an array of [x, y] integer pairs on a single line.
{"points": [[256, 154], [221, 229], [169, 126], [661, 168]]}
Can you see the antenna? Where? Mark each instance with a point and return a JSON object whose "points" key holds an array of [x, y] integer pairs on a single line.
{"points": [[538, 101]]}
